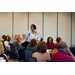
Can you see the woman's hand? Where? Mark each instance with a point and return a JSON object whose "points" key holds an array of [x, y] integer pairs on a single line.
{"points": [[9, 36]]}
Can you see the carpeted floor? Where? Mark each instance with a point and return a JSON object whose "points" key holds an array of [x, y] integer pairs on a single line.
{"points": [[11, 60]]}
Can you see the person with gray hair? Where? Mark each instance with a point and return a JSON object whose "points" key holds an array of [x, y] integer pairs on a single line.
{"points": [[24, 38], [61, 56]]}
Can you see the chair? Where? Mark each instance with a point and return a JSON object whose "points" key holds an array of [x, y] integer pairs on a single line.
{"points": [[73, 50], [28, 53], [32, 59], [14, 52]]}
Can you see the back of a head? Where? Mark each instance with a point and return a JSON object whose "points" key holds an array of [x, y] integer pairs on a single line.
{"points": [[58, 39], [41, 47], [62, 46], [41, 39], [33, 42]]}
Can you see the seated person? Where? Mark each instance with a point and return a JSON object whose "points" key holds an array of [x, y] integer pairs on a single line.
{"points": [[61, 56], [33, 45], [10, 38], [24, 38], [15, 42], [21, 50], [58, 39], [41, 55], [3, 57], [50, 44], [7, 43], [19, 38]]}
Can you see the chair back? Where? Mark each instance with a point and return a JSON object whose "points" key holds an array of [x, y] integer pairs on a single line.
{"points": [[28, 53], [12, 48], [49, 61], [14, 51], [32, 59], [73, 50]]}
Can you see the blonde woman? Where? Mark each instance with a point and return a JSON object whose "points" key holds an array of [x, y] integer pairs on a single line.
{"points": [[3, 57]]}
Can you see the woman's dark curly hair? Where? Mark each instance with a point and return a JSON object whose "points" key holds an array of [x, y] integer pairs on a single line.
{"points": [[48, 39], [34, 26]]}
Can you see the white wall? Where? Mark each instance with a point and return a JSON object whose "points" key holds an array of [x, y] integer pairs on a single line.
{"points": [[36, 18], [73, 28], [5, 23], [64, 27], [22, 24], [50, 25]]}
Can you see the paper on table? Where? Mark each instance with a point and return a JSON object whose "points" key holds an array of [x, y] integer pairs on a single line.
{"points": [[49, 50]]}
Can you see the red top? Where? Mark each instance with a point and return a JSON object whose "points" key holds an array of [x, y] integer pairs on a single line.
{"points": [[60, 56], [50, 46], [20, 39]]}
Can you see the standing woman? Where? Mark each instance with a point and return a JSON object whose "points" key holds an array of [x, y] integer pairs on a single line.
{"points": [[50, 44], [33, 34]]}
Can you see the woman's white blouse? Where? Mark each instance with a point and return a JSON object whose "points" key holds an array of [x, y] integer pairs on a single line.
{"points": [[6, 44], [31, 36]]}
